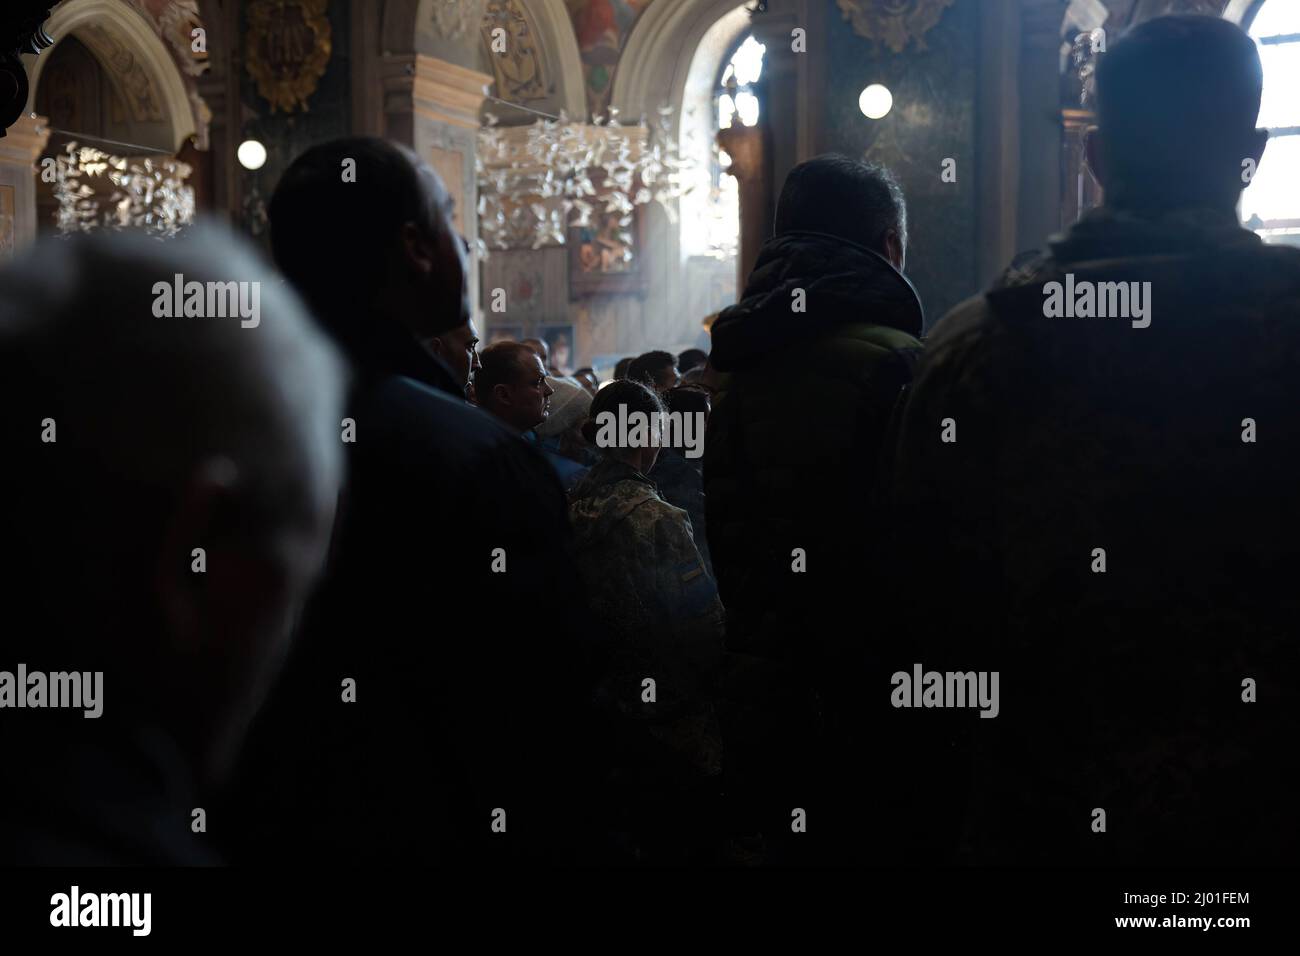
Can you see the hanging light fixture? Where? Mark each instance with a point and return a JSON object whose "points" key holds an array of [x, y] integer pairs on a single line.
{"points": [[97, 190], [537, 181]]}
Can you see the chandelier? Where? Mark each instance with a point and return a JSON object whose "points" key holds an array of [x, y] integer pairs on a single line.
{"points": [[538, 181], [97, 190]]}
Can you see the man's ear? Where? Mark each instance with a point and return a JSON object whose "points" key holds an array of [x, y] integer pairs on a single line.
{"points": [[420, 253], [181, 575], [1094, 149], [894, 251]]}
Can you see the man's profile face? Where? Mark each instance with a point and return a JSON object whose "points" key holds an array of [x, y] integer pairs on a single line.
{"points": [[530, 396], [459, 349]]}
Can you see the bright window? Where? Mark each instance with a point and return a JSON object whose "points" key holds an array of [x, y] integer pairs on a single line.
{"points": [[1271, 203]]}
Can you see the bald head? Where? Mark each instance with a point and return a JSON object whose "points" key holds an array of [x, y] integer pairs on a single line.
{"points": [[362, 228], [1178, 98]]}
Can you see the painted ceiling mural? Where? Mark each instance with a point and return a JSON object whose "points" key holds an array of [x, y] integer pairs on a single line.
{"points": [[602, 28]]}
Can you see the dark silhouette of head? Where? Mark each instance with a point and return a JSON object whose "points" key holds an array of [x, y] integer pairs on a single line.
{"points": [[1177, 102], [621, 367], [848, 198], [688, 400], [618, 401], [656, 369], [691, 358], [361, 227], [541, 348]]}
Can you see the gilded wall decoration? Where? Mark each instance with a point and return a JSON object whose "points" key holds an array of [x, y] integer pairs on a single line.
{"points": [[520, 74], [288, 48], [894, 23]]}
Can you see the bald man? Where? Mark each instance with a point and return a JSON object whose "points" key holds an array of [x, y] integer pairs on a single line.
{"points": [[448, 513]]}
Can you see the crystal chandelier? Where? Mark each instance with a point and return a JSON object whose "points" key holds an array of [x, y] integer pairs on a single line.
{"points": [[538, 181], [96, 190]]}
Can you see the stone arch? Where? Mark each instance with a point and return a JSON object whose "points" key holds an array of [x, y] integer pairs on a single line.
{"points": [[133, 56], [656, 66], [556, 30], [408, 25]]}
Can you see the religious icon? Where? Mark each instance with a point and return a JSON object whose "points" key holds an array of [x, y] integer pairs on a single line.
{"points": [[288, 48], [894, 22]]}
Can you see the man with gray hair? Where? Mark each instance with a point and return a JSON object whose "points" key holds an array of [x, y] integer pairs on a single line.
{"points": [[166, 506]]}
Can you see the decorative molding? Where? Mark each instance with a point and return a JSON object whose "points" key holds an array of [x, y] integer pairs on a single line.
{"points": [[138, 36], [895, 23], [288, 50], [556, 29], [132, 80], [657, 55], [448, 93]]}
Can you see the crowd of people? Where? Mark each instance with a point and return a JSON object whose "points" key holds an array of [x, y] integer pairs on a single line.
{"points": [[361, 592]]}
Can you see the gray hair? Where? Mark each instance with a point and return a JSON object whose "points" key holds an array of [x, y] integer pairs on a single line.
{"points": [[145, 399]]}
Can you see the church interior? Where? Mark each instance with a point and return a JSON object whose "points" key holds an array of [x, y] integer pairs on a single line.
{"points": [[615, 165], [974, 327]]}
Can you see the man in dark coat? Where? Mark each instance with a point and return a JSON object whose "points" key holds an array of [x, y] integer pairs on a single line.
{"points": [[1099, 462], [456, 742], [815, 356]]}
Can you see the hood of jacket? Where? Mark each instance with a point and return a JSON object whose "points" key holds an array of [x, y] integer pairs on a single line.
{"points": [[842, 283]]}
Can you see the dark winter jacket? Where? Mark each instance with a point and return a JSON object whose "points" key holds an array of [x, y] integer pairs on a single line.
{"points": [[793, 445], [815, 356], [1112, 524], [451, 554]]}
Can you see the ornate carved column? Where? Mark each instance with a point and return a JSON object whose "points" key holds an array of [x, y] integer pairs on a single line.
{"points": [[24, 141]]}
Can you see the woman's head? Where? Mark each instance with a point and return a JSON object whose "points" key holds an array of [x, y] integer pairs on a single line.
{"points": [[625, 423]]}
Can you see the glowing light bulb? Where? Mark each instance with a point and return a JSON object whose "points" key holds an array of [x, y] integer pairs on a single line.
{"points": [[876, 101], [251, 154]]}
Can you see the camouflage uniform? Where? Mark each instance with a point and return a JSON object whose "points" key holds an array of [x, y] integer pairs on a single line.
{"points": [[648, 589]]}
